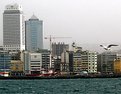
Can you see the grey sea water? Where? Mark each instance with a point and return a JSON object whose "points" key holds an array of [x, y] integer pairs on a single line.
{"points": [[62, 86]]}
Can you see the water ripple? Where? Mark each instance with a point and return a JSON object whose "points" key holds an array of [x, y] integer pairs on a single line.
{"points": [[61, 86]]}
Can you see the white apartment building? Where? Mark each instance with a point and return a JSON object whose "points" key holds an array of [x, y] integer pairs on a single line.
{"points": [[35, 62], [32, 63], [92, 62]]}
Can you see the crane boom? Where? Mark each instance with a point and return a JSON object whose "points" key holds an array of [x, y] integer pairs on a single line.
{"points": [[50, 39]]}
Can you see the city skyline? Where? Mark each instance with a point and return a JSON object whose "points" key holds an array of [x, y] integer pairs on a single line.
{"points": [[97, 22]]}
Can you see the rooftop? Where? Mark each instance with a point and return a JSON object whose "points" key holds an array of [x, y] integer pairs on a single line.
{"points": [[33, 17]]}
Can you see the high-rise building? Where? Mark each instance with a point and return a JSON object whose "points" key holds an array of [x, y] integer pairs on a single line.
{"points": [[92, 62], [64, 66], [13, 28], [59, 48], [34, 34]]}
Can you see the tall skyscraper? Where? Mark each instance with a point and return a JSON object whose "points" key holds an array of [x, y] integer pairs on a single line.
{"points": [[13, 28], [34, 34]]}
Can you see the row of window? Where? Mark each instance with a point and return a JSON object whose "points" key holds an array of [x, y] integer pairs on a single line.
{"points": [[12, 46], [92, 67]]}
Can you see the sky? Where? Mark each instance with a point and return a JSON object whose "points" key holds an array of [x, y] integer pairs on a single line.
{"points": [[87, 22]]}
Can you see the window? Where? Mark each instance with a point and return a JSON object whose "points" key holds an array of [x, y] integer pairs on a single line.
{"points": [[35, 56]]}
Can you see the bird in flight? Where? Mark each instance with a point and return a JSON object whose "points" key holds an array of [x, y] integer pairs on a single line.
{"points": [[108, 47]]}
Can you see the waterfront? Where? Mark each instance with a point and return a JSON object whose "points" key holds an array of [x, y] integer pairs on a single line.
{"points": [[62, 86]]}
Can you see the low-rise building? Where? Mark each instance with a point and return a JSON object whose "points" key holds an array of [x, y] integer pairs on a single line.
{"points": [[117, 66], [106, 62], [5, 59], [33, 63], [85, 61], [17, 68], [36, 62]]}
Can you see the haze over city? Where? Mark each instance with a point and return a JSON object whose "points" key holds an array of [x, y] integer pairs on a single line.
{"points": [[88, 22], [60, 46]]}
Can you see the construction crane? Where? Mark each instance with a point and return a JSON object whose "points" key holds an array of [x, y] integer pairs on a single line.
{"points": [[50, 39]]}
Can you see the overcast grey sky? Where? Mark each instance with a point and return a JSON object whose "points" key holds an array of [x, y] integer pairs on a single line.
{"points": [[86, 21]]}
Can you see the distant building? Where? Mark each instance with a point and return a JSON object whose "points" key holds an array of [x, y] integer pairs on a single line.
{"points": [[117, 66], [64, 66], [34, 34], [35, 62], [85, 61], [59, 48], [56, 64], [118, 55], [46, 60], [77, 62], [1, 48], [105, 62], [16, 68], [15, 55], [71, 61], [5, 59], [13, 28], [92, 62]]}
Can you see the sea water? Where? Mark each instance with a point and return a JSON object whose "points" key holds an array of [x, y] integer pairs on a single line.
{"points": [[62, 86]]}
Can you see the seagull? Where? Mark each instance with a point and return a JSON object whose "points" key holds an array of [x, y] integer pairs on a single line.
{"points": [[108, 47]]}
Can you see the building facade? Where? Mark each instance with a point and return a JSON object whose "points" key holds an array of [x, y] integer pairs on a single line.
{"points": [[105, 62], [56, 62], [59, 48], [36, 62], [85, 61], [33, 63], [16, 68], [13, 28], [117, 66], [92, 62], [5, 59], [64, 66], [34, 34], [77, 64]]}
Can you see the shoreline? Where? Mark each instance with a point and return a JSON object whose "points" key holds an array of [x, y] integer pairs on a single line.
{"points": [[58, 77]]}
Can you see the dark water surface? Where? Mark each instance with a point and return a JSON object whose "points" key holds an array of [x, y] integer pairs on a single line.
{"points": [[62, 86]]}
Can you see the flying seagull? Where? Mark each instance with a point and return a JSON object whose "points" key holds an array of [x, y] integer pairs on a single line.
{"points": [[108, 47]]}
